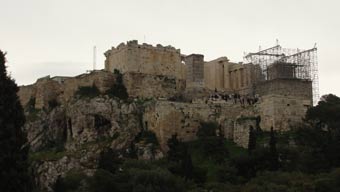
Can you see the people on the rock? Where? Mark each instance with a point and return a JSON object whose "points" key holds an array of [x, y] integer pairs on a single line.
{"points": [[244, 100]]}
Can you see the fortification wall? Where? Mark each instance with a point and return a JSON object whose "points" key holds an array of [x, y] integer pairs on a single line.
{"points": [[286, 87], [282, 112], [284, 102], [47, 89], [103, 80], [137, 85], [152, 86], [194, 70], [145, 58], [166, 118]]}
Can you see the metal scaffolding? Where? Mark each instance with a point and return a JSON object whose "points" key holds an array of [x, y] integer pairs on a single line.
{"points": [[278, 62]]}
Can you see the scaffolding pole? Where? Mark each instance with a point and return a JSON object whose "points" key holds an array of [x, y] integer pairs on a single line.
{"points": [[298, 63]]}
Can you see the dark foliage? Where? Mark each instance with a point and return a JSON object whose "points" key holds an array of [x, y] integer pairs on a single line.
{"points": [[147, 136], [207, 129], [101, 124], [88, 91], [211, 145], [118, 90], [110, 160], [53, 103], [71, 182], [30, 106], [326, 113], [274, 156], [319, 141], [13, 147], [252, 139], [174, 152], [178, 153], [137, 176]]}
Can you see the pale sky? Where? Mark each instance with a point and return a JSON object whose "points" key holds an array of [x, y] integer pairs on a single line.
{"points": [[56, 37]]}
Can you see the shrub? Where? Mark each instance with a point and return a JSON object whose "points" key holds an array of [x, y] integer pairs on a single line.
{"points": [[207, 129], [147, 137], [71, 182], [102, 181], [30, 106], [88, 91], [53, 104], [155, 180], [109, 160], [48, 155], [101, 123], [118, 89]]}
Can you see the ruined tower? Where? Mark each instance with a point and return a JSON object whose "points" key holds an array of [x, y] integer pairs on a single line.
{"points": [[145, 58], [194, 70]]}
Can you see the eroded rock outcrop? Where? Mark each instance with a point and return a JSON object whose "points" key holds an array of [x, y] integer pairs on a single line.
{"points": [[72, 136]]}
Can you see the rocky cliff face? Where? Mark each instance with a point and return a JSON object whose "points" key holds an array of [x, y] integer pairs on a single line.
{"points": [[72, 136]]}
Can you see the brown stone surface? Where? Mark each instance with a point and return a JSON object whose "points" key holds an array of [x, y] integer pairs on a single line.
{"points": [[145, 58], [167, 118], [284, 102], [152, 86]]}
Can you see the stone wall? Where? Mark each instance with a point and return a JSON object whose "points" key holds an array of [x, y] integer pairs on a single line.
{"points": [[284, 102], [194, 70], [47, 89], [25, 93], [103, 80], [152, 86], [241, 130], [286, 87], [282, 112], [137, 85], [145, 58]]}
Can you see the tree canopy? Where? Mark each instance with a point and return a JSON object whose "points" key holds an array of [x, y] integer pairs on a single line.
{"points": [[13, 148]]}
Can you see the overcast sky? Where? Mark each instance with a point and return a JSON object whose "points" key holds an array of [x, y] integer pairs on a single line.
{"points": [[56, 37]]}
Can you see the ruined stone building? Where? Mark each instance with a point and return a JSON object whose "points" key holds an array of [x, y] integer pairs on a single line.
{"points": [[147, 59], [283, 78], [283, 82]]}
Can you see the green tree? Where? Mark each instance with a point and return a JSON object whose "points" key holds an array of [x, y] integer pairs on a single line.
{"points": [[252, 140], [178, 153], [274, 156], [207, 129], [109, 160], [13, 142], [326, 113], [88, 91], [174, 152], [186, 164], [319, 138]]}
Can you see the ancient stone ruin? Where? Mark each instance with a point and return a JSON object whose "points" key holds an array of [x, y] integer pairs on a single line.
{"points": [[273, 88]]}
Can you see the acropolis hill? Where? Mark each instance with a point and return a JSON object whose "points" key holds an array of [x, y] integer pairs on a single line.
{"points": [[273, 88]]}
